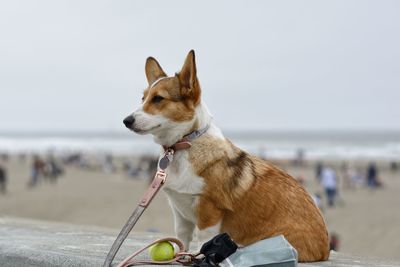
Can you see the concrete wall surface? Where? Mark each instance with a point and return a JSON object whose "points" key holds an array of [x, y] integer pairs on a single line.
{"points": [[35, 243]]}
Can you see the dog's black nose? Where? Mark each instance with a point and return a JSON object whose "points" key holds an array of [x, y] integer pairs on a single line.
{"points": [[128, 121]]}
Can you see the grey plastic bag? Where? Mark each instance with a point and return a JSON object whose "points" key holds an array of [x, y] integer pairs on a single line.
{"points": [[272, 252]]}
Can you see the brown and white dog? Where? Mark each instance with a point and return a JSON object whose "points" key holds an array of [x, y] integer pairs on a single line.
{"points": [[215, 185]]}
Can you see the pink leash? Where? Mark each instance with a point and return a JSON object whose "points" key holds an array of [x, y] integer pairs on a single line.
{"points": [[158, 181], [182, 257]]}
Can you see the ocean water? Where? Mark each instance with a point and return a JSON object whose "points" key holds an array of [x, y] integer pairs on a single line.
{"points": [[277, 145]]}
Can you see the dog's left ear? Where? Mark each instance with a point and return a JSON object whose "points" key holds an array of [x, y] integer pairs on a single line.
{"points": [[188, 78]]}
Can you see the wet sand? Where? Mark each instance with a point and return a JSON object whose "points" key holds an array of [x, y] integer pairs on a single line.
{"points": [[367, 221]]}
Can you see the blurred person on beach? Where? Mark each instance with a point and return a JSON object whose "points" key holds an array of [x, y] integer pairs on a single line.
{"points": [[351, 176], [108, 165], [394, 166], [372, 176], [133, 168], [318, 171], [3, 179], [334, 242], [346, 176], [37, 170], [299, 159], [357, 177], [329, 183], [52, 169]]}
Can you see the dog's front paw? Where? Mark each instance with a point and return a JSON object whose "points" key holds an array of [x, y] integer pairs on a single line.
{"points": [[184, 232], [186, 239]]}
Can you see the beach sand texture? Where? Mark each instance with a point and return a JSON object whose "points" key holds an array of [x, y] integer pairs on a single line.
{"points": [[367, 222]]}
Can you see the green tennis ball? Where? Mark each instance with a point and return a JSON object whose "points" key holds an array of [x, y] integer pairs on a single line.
{"points": [[163, 251]]}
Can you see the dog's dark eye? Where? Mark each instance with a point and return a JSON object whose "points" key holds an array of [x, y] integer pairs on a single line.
{"points": [[157, 99]]}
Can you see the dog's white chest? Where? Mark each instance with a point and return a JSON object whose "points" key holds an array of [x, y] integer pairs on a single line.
{"points": [[181, 177], [183, 186]]}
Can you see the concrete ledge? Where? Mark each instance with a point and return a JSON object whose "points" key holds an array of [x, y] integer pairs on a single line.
{"points": [[34, 243]]}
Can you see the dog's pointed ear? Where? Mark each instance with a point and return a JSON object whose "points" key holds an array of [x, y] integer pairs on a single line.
{"points": [[188, 78], [153, 70], [187, 75]]}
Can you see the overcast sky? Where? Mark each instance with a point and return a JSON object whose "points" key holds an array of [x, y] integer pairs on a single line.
{"points": [[79, 65]]}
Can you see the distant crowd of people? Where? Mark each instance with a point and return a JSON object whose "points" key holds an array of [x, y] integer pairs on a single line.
{"points": [[352, 177], [48, 168], [142, 167]]}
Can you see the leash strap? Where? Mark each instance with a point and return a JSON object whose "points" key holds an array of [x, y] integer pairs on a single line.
{"points": [[158, 181]]}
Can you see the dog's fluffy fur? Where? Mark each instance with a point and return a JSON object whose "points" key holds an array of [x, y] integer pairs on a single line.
{"points": [[215, 185]]}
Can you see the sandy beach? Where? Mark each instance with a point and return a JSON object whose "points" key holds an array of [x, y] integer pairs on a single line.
{"points": [[367, 221]]}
